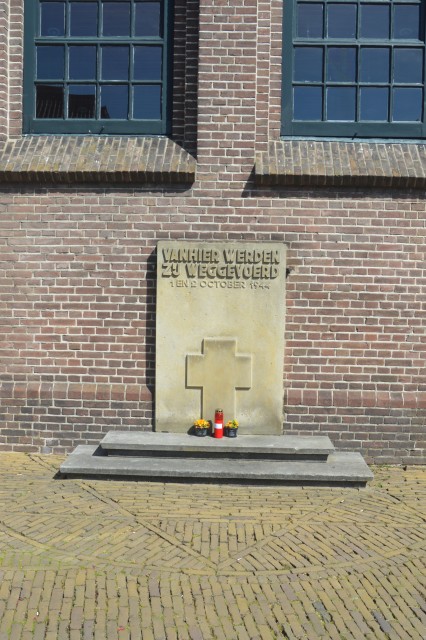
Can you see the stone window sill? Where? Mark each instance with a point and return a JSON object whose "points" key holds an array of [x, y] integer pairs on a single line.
{"points": [[81, 159], [345, 164]]}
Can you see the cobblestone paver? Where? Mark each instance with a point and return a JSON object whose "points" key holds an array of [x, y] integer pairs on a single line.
{"points": [[103, 560]]}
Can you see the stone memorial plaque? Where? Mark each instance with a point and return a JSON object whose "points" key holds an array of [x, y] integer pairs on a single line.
{"points": [[220, 334]]}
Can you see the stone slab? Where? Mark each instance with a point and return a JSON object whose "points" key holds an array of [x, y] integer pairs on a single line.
{"points": [[341, 468], [129, 443], [220, 334]]}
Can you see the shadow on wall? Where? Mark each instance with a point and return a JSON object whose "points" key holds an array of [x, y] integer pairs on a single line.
{"points": [[185, 74], [151, 301]]}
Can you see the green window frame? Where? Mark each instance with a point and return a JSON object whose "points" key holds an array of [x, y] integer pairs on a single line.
{"points": [[354, 69], [97, 67]]}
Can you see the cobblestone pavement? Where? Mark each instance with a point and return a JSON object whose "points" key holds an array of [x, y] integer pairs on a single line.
{"points": [[84, 559]]}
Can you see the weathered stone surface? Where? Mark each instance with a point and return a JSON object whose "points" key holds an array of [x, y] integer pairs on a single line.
{"points": [[341, 468], [178, 443], [220, 334]]}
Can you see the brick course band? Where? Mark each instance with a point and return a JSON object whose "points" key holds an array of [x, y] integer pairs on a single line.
{"points": [[347, 164], [337, 398], [73, 159], [75, 391]]}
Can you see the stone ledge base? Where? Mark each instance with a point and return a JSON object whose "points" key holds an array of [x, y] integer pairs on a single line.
{"points": [[82, 159], [347, 469], [342, 164]]}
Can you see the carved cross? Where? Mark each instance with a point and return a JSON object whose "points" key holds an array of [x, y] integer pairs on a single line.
{"points": [[219, 371]]}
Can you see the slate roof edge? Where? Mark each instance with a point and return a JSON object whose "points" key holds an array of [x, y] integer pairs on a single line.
{"points": [[92, 159], [342, 164]]}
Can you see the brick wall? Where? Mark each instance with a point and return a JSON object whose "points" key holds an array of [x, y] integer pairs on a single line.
{"points": [[77, 263]]}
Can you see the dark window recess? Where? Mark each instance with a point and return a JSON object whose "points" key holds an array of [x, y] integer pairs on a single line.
{"points": [[97, 66], [50, 101], [354, 68]]}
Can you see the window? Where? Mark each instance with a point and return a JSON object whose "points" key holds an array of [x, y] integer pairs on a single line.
{"points": [[96, 66], [354, 68]]}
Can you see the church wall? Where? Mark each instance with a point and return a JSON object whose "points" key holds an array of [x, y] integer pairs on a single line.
{"points": [[77, 262]]}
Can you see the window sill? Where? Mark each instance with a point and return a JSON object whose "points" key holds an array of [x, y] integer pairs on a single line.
{"points": [[342, 164], [90, 159]]}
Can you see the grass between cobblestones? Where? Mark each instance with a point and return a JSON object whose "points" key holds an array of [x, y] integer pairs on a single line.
{"points": [[105, 560]]}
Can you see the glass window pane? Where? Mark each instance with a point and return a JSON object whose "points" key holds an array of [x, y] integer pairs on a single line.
{"points": [[406, 23], [308, 103], [407, 104], [49, 101], [374, 103], [374, 21], [408, 65], [83, 18], [115, 63], [308, 64], [310, 20], [116, 19], [147, 19], [82, 63], [375, 63], [114, 102], [342, 20], [147, 102], [341, 64], [147, 63], [52, 19], [82, 101], [341, 103], [50, 62]]}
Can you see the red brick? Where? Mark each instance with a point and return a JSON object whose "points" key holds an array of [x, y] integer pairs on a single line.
{"points": [[77, 290]]}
